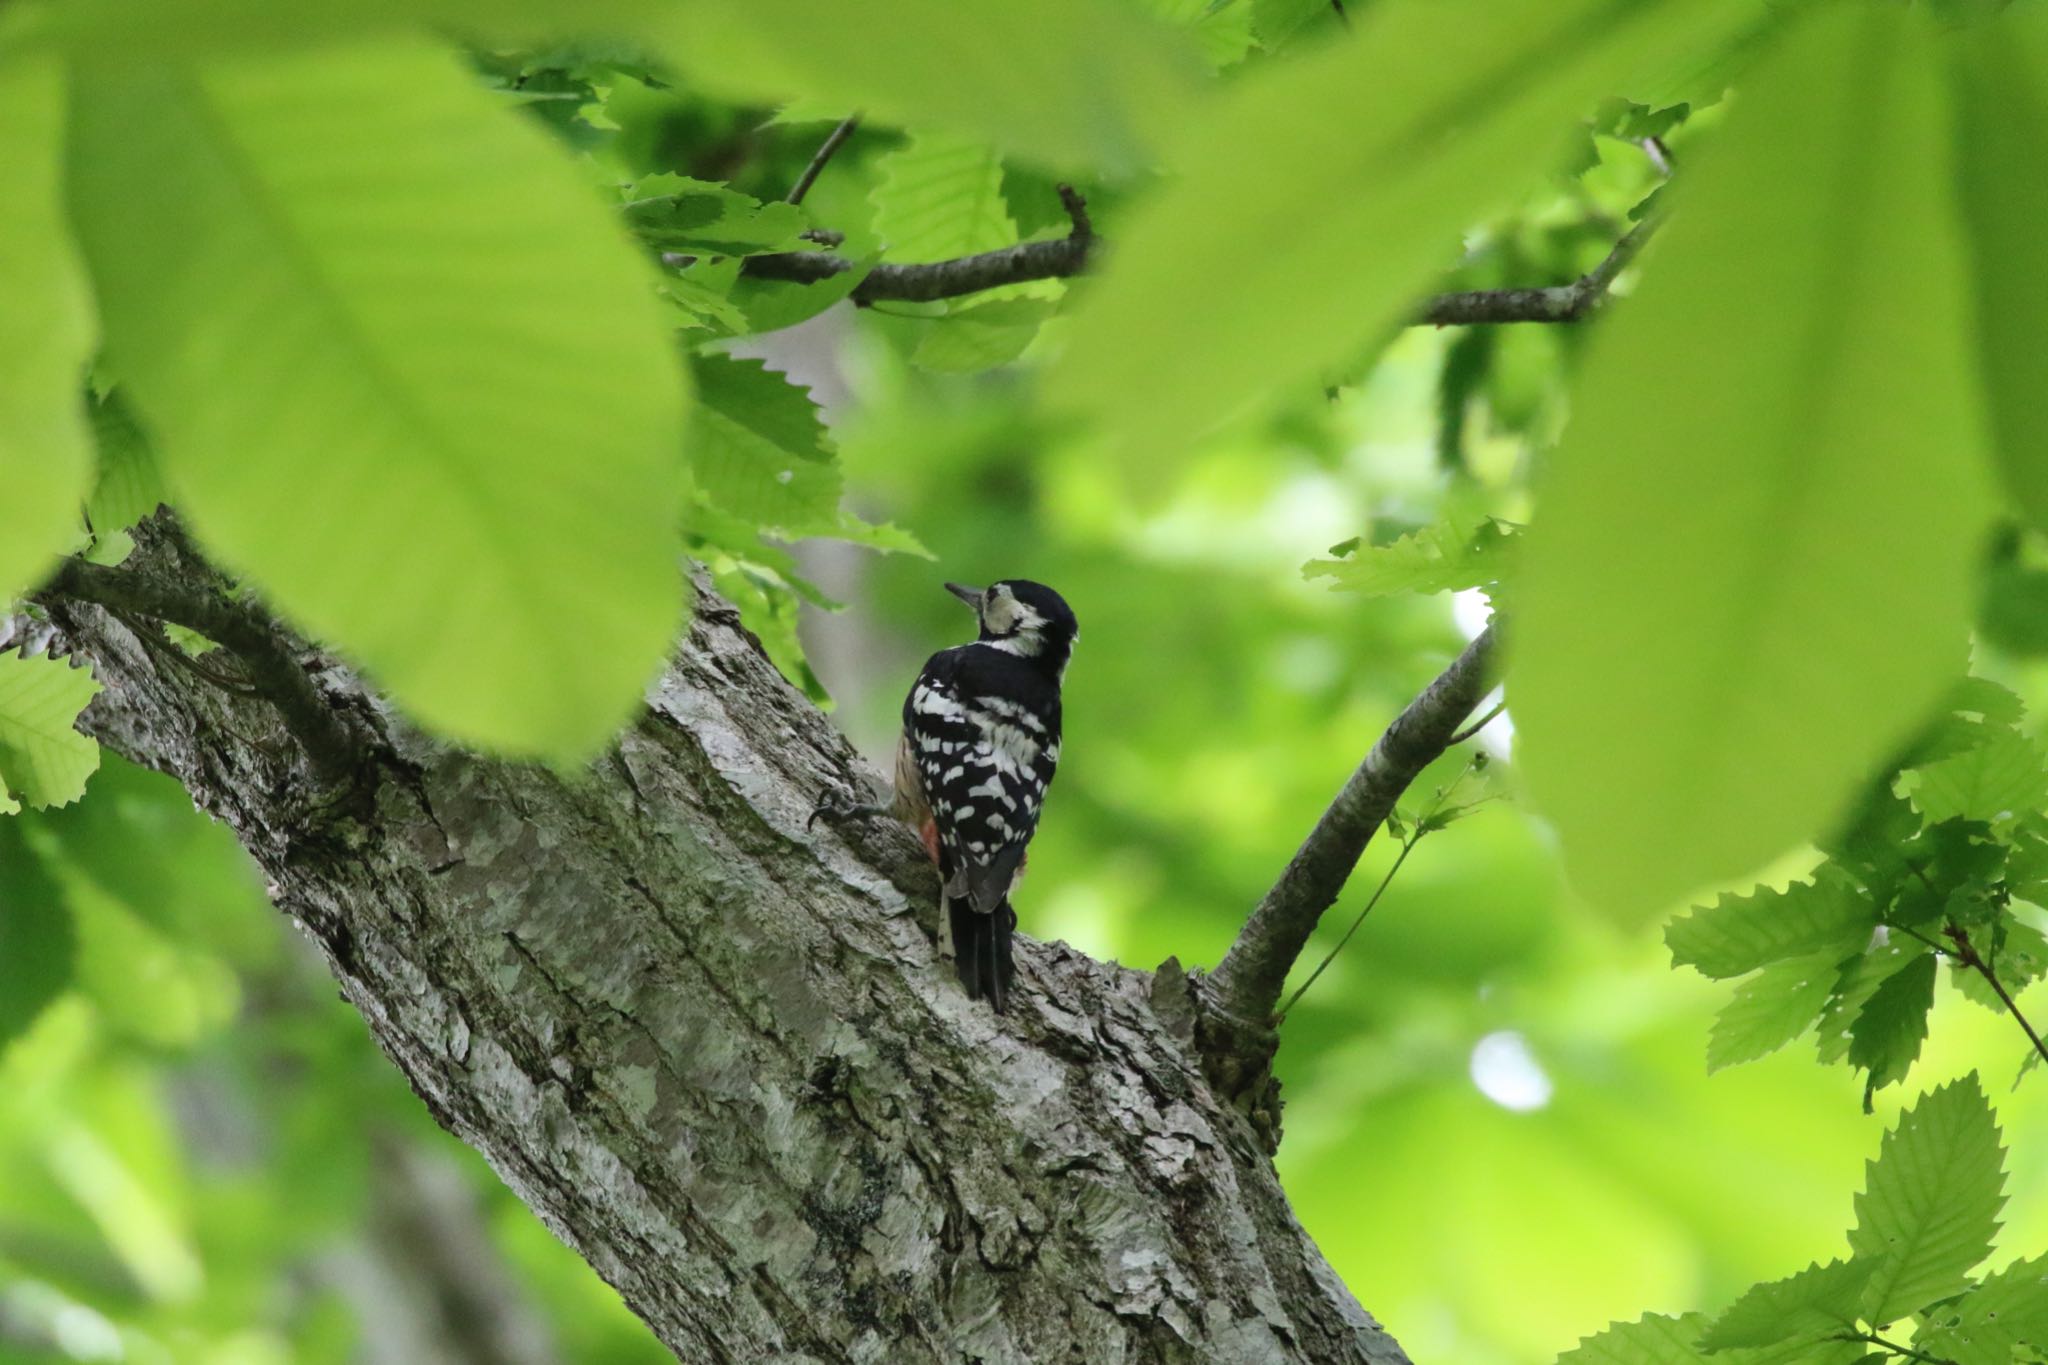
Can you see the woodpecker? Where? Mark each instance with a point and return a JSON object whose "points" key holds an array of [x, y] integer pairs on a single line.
{"points": [[981, 740]]}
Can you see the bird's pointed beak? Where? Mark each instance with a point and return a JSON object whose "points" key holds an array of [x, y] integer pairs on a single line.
{"points": [[971, 596]]}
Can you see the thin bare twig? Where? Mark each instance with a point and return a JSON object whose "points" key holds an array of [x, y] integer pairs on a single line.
{"points": [[1966, 953], [1551, 303], [834, 140], [1476, 726]]}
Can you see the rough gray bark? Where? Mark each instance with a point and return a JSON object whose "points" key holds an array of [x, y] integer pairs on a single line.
{"points": [[719, 1054]]}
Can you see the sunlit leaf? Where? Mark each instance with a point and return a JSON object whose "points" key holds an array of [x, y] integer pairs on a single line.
{"points": [[1730, 613], [44, 760], [1819, 1301], [1738, 934], [1446, 557], [1886, 1035], [981, 336], [1998, 779], [401, 370], [1652, 1340], [939, 197], [1313, 205], [47, 335], [1930, 1201], [1988, 1323], [1771, 1009]]}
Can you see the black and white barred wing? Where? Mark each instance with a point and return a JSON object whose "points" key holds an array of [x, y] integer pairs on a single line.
{"points": [[985, 761]]}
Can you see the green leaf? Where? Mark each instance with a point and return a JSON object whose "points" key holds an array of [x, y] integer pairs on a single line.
{"points": [[402, 371], [1315, 202], [2001, 85], [1888, 1030], [1857, 981], [1989, 1322], [1738, 934], [768, 305], [981, 336], [129, 487], [940, 197], [1930, 1201], [1998, 780], [1066, 82], [1818, 1301], [676, 213], [2018, 956], [47, 335], [1771, 1009], [1651, 1340], [37, 941], [1729, 636], [758, 449], [185, 29], [1446, 557], [44, 760]]}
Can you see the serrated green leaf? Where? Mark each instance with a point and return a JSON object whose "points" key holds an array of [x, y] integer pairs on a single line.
{"points": [[44, 760], [1991, 1320], [2001, 85], [47, 335], [1675, 600], [757, 449], [1317, 199], [1859, 977], [1818, 1301], [37, 941], [402, 370], [129, 487], [1998, 780], [1885, 1037], [939, 197], [1447, 557], [1771, 1009], [1738, 934], [1651, 1340], [676, 213], [981, 336], [1930, 1201], [768, 305]]}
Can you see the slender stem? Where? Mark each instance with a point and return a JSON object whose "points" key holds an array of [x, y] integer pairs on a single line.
{"points": [[1873, 1339], [1476, 726], [834, 140], [1966, 953], [1407, 847]]}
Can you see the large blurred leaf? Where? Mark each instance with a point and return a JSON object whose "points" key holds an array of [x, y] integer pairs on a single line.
{"points": [[2001, 80], [1731, 611], [198, 28], [403, 371], [47, 334], [1067, 82], [44, 760], [128, 487], [1314, 203], [1930, 1201], [36, 939]]}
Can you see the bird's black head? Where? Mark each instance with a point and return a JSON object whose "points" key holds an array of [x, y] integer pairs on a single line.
{"points": [[1023, 618]]}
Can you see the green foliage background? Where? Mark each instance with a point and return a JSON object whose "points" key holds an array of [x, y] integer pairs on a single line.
{"points": [[450, 349]]}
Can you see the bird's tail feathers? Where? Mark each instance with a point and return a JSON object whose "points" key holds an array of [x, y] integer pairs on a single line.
{"points": [[981, 950]]}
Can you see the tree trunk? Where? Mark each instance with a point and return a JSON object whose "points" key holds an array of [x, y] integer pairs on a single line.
{"points": [[720, 1055]]}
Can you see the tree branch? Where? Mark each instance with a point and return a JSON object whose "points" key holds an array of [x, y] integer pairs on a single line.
{"points": [[1047, 260], [1555, 303], [721, 1056], [1070, 255], [1246, 985], [832, 143], [274, 673]]}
